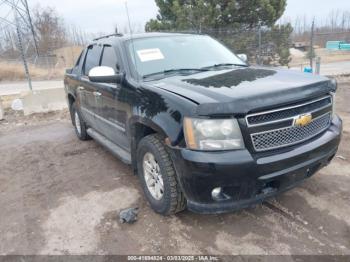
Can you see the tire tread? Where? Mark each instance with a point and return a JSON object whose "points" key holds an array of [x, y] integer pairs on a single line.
{"points": [[84, 135], [177, 198]]}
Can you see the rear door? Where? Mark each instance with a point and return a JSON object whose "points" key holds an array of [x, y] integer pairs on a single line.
{"points": [[112, 114], [88, 90]]}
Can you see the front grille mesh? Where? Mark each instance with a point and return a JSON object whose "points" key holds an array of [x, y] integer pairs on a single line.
{"points": [[291, 135], [287, 113]]}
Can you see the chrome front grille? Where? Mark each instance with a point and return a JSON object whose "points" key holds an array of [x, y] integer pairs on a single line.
{"points": [[288, 112], [277, 129], [290, 135]]}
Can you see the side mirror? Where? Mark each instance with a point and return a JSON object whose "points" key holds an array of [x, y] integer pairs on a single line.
{"points": [[243, 57], [104, 74]]}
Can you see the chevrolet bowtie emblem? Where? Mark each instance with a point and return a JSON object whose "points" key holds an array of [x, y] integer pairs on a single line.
{"points": [[303, 120]]}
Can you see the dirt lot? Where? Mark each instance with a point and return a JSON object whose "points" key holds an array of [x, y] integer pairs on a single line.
{"points": [[62, 196]]}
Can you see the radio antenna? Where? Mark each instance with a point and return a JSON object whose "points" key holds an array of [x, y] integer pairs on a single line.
{"points": [[132, 38]]}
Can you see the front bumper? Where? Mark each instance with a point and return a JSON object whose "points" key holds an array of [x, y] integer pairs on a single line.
{"points": [[248, 179]]}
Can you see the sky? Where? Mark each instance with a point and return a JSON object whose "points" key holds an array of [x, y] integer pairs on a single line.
{"points": [[103, 15], [314, 8]]}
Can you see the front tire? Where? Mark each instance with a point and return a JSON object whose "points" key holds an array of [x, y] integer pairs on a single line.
{"points": [[158, 177], [79, 124]]}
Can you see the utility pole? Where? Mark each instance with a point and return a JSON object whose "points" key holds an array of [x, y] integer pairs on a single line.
{"points": [[20, 45], [18, 16], [31, 27], [312, 52]]}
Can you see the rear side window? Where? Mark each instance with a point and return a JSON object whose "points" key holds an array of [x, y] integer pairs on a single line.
{"points": [[76, 67], [92, 58], [109, 57]]}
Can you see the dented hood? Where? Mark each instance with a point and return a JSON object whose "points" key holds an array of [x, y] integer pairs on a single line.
{"points": [[243, 90]]}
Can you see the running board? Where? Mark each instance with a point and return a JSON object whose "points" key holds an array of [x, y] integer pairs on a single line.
{"points": [[119, 152]]}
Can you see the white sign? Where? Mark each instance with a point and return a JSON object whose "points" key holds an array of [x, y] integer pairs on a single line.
{"points": [[146, 55]]}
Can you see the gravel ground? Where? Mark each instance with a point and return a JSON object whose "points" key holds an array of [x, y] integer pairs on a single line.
{"points": [[62, 196]]}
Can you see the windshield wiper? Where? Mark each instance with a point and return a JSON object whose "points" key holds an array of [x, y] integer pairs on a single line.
{"points": [[223, 65], [177, 70]]}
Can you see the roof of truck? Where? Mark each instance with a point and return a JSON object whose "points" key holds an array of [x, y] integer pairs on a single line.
{"points": [[120, 37]]}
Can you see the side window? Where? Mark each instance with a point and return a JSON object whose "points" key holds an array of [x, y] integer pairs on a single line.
{"points": [[76, 67], [109, 57], [92, 58]]}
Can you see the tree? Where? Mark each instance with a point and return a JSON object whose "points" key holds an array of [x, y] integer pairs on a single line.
{"points": [[280, 36], [235, 22], [215, 14], [50, 29]]}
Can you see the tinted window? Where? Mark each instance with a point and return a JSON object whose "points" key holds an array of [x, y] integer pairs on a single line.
{"points": [[109, 57], [76, 67], [92, 58]]}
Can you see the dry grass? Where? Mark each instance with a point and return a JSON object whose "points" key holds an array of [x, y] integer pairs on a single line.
{"points": [[66, 57], [15, 72]]}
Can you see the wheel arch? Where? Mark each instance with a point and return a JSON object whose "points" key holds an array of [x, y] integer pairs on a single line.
{"points": [[140, 128]]}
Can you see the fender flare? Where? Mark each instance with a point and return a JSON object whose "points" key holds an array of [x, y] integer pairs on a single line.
{"points": [[154, 126]]}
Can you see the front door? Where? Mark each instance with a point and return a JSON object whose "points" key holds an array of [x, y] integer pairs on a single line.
{"points": [[87, 90], [112, 113]]}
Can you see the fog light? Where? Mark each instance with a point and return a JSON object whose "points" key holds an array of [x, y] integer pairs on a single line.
{"points": [[217, 193]]}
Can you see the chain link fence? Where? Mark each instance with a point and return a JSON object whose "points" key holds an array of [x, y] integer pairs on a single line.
{"points": [[47, 66], [254, 43], [310, 50]]}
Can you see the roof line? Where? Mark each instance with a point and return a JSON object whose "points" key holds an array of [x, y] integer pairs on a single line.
{"points": [[107, 36]]}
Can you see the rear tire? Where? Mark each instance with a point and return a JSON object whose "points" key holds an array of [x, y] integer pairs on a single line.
{"points": [[79, 124], [166, 198]]}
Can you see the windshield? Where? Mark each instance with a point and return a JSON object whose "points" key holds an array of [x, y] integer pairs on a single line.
{"points": [[161, 54]]}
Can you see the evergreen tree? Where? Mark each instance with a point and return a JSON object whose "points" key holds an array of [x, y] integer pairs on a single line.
{"points": [[221, 17], [194, 14]]}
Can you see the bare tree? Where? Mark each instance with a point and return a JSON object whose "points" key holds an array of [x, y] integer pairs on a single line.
{"points": [[76, 36], [50, 29], [334, 19], [335, 26]]}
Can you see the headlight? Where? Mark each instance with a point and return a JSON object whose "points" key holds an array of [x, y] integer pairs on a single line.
{"points": [[213, 134]]}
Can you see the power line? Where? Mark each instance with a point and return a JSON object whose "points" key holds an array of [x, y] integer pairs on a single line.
{"points": [[19, 9]]}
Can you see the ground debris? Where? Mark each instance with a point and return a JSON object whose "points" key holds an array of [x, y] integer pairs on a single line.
{"points": [[341, 157], [128, 215]]}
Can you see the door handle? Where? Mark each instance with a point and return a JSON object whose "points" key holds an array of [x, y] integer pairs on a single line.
{"points": [[97, 94], [80, 88]]}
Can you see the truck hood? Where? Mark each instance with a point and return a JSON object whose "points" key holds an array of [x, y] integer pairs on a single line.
{"points": [[243, 90]]}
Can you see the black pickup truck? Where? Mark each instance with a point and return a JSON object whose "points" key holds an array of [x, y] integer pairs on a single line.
{"points": [[200, 127]]}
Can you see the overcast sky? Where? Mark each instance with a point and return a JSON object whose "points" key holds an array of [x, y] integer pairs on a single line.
{"points": [[103, 15]]}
